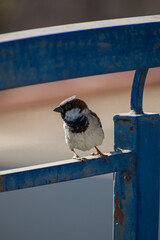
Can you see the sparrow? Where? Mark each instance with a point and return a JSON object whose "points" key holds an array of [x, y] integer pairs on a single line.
{"points": [[82, 127]]}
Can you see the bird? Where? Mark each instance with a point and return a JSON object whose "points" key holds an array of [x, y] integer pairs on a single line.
{"points": [[82, 127]]}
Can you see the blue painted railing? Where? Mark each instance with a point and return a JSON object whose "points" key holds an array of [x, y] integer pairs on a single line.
{"points": [[78, 50]]}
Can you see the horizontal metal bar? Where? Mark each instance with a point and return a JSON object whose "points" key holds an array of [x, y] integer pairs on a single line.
{"points": [[79, 50], [64, 171]]}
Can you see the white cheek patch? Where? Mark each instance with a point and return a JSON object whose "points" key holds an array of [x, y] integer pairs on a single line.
{"points": [[72, 114], [85, 111]]}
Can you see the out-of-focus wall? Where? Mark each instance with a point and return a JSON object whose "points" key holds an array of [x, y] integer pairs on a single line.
{"points": [[13, 99], [18, 15]]}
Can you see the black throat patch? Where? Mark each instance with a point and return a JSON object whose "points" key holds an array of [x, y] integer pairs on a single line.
{"points": [[79, 125]]}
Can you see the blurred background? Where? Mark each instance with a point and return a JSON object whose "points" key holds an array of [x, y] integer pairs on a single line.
{"points": [[31, 133]]}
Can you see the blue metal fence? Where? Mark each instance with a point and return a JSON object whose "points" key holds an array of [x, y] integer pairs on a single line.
{"points": [[78, 50]]}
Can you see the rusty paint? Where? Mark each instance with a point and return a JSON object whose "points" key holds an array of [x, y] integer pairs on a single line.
{"points": [[4, 52], [103, 45], [2, 188], [131, 128], [156, 46], [118, 215], [127, 178], [43, 44], [123, 120]]}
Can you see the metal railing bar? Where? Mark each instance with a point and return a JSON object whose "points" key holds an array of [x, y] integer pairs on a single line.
{"points": [[20, 35], [64, 171], [80, 52]]}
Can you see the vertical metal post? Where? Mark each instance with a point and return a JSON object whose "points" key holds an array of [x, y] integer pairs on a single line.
{"points": [[136, 192], [125, 183]]}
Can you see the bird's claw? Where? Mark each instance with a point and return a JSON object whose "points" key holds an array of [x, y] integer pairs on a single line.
{"points": [[83, 159], [79, 158], [94, 154], [105, 157]]}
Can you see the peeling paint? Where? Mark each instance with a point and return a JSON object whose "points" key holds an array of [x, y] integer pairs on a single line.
{"points": [[123, 120], [127, 178], [103, 45], [4, 52], [118, 215], [156, 46], [131, 128], [2, 188]]}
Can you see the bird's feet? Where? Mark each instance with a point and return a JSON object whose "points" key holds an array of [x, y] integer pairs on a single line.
{"points": [[105, 157], [98, 152], [78, 158]]}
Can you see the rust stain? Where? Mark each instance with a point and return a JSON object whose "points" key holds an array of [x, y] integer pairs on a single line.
{"points": [[102, 45], [4, 52], [156, 46], [131, 128], [2, 188], [123, 120], [43, 44], [127, 178], [118, 215]]}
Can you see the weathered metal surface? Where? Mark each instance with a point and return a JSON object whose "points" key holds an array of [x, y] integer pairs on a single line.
{"points": [[118, 214], [137, 90], [78, 51], [63, 171], [136, 192]]}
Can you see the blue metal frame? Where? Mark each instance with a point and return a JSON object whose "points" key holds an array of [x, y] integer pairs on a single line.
{"points": [[63, 171], [59, 53]]}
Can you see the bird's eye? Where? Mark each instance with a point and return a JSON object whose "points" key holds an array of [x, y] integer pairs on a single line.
{"points": [[68, 107]]}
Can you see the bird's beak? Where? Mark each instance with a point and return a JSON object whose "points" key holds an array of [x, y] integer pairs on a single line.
{"points": [[58, 109]]}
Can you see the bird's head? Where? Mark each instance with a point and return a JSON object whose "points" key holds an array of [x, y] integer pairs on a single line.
{"points": [[71, 108]]}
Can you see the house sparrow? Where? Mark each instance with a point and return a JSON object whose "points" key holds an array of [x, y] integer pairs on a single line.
{"points": [[82, 127]]}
